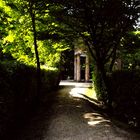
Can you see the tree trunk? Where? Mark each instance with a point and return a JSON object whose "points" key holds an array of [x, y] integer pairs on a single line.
{"points": [[113, 61], [32, 14], [104, 85]]}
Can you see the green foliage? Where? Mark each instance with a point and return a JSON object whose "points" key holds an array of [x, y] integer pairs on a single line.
{"points": [[130, 51], [18, 89], [99, 86], [125, 87], [17, 37], [100, 29], [51, 53], [50, 78]]}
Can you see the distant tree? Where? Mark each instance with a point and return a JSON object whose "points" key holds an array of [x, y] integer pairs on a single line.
{"points": [[130, 50]]}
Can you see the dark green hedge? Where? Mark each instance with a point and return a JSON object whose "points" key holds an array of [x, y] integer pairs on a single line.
{"points": [[18, 89], [100, 87], [125, 90]]}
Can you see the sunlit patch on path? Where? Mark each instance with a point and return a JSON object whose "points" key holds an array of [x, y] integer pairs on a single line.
{"points": [[77, 92], [78, 89], [95, 118]]}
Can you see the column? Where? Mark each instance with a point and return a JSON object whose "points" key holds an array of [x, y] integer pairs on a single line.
{"points": [[78, 68], [87, 69], [75, 67]]}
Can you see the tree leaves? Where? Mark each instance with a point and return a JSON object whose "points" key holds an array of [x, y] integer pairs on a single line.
{"points": [[17, 34]]}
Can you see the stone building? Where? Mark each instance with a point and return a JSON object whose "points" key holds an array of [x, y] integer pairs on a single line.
{"points": [[79, 74]]}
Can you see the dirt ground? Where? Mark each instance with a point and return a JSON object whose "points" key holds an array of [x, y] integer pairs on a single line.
{"points": [[64, 117]]}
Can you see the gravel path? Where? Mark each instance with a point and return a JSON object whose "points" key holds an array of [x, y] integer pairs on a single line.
{"points": [[64, 117]]}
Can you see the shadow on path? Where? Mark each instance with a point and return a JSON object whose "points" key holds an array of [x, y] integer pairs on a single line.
{"points": [[64, 117]]}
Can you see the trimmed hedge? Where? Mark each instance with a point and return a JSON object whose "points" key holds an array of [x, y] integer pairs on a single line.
{"points": [[18, 89], [100, 88], [125, 89]]}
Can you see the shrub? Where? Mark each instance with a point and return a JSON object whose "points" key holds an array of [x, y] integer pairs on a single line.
{"points": [[100, 87], [125, 87], [18, 89], [50, 78]]}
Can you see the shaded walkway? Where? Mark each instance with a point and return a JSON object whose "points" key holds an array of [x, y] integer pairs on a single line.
{"points": [[64, 117]]}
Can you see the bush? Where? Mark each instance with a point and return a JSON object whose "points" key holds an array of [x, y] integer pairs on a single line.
{"points": [[15, 90], [100, 88], [50, 79], [18, 89], [125, 87]]}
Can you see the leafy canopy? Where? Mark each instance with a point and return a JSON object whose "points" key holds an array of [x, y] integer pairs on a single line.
{"points": [[17, 37]]}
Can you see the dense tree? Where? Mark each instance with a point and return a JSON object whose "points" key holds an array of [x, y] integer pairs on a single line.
{"points": [[102, 24], [28, 8], [23, 23], [18, 40]]}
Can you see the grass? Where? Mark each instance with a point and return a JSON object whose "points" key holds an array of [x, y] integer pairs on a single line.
{"points": [[90, 92]]}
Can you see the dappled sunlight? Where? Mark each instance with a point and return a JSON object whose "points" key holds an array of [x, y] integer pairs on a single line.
{"points": [[91, 93], [77, 92], [95, 118], [84, 93], [80, 89], [79, 106]]}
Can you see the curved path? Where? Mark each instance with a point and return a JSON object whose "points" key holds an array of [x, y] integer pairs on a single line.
{"points": [[64, 117]]}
